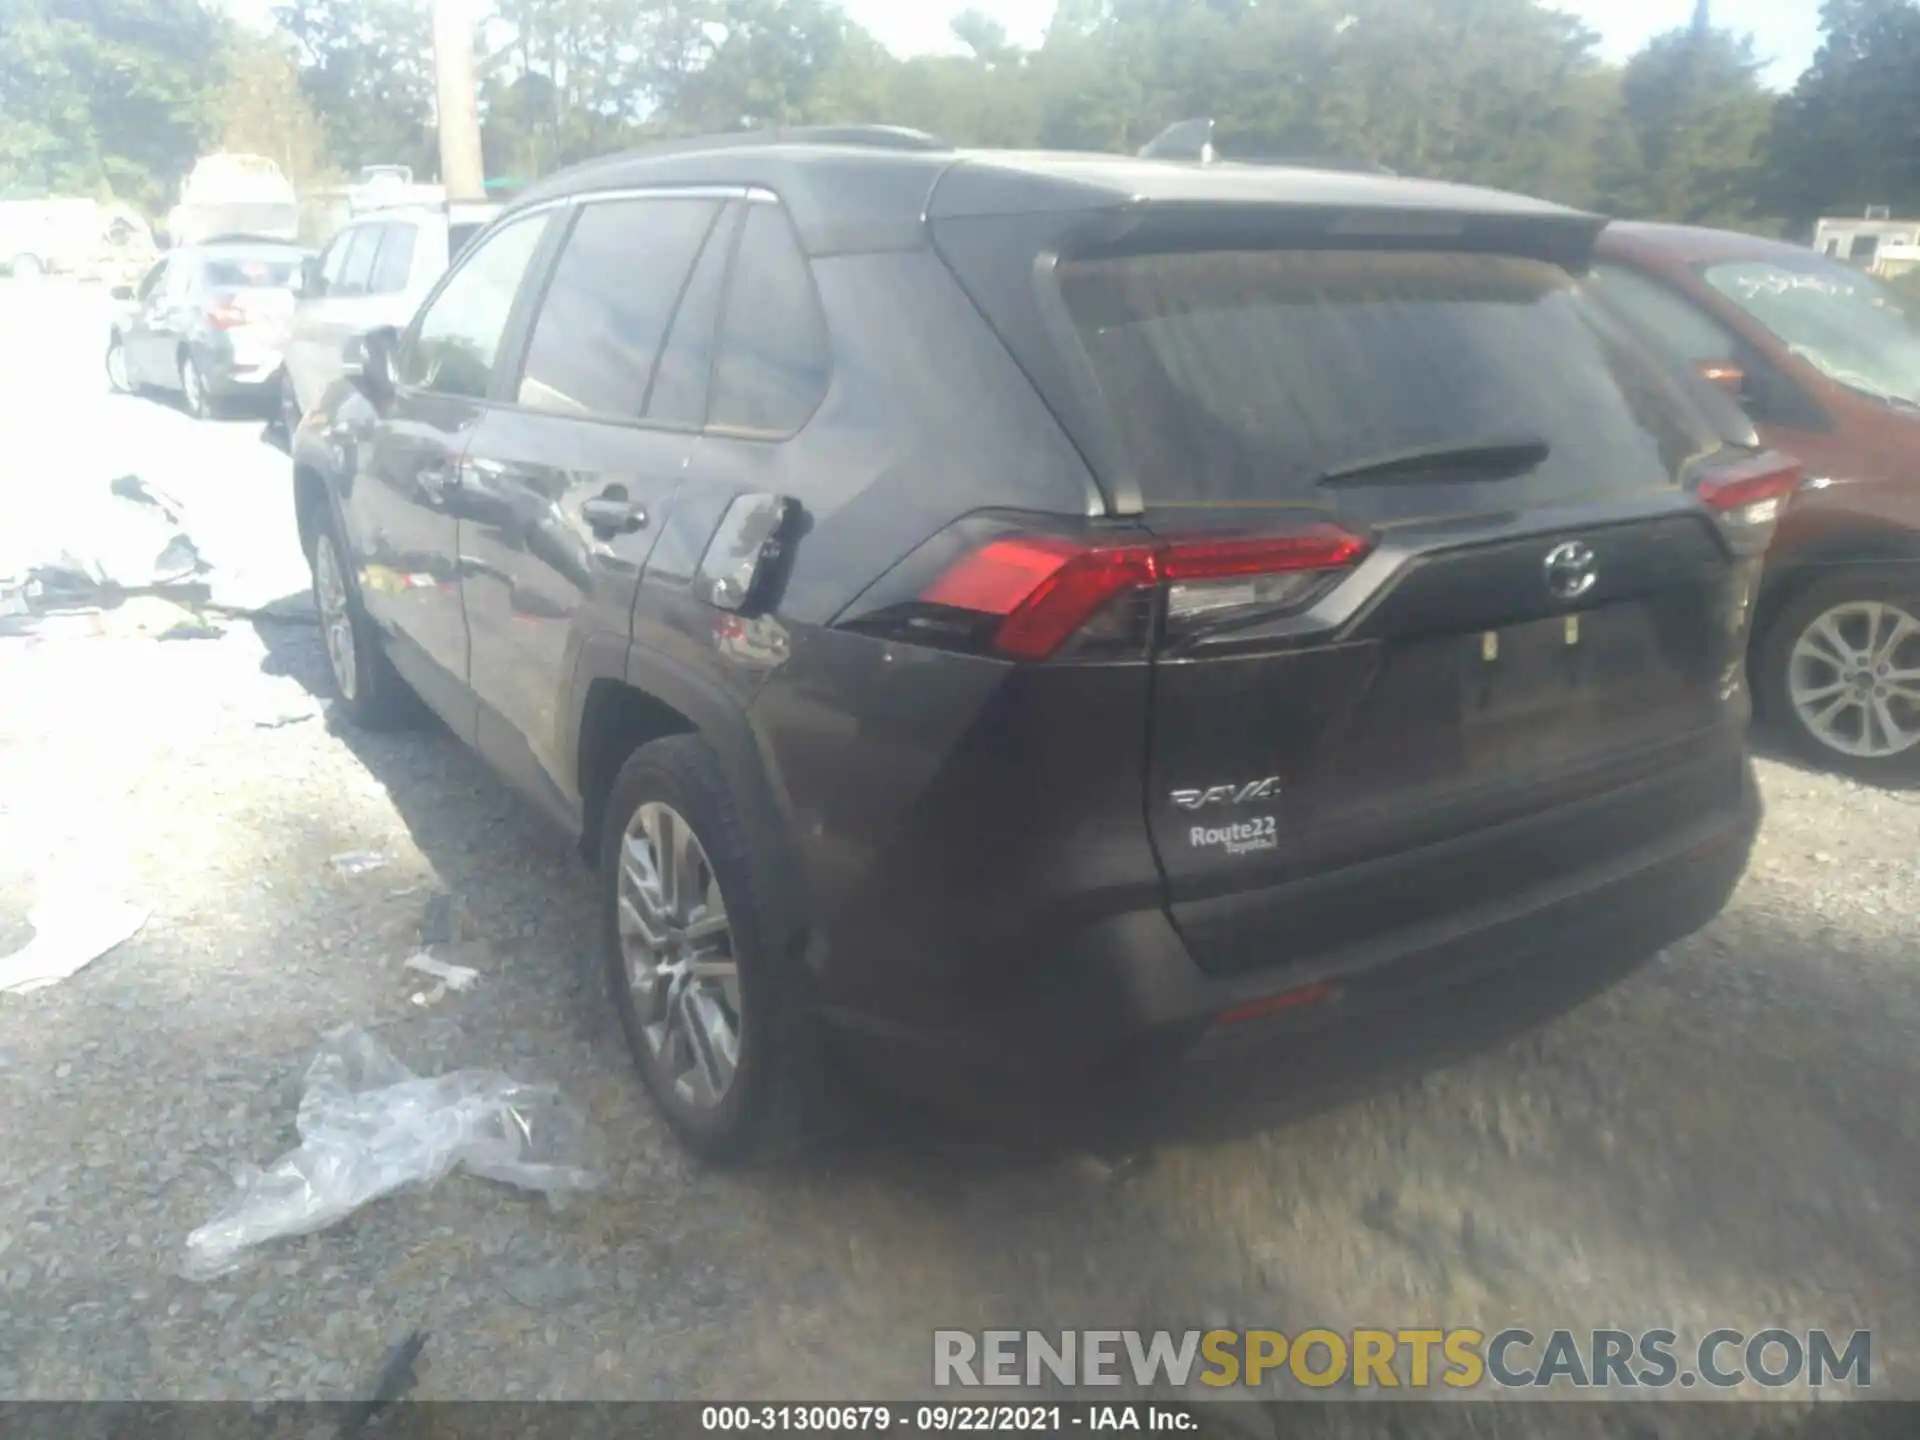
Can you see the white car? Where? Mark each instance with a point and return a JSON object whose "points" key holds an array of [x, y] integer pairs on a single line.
{"points": [[375, 271]]}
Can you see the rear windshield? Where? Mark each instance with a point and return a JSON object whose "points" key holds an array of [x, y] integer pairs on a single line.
{"points": [[1245, 376], [245, 272]]}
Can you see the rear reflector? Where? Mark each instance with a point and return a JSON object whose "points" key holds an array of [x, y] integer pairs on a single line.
{"points": [[1047, 587]]}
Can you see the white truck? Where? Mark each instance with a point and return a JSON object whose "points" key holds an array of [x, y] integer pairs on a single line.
{"points": [[92, 239], [235, 194]]}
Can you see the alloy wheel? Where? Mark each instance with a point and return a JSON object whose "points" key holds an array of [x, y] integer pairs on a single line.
{"points": [[336, 619], [1854, 679], [676, 943]]}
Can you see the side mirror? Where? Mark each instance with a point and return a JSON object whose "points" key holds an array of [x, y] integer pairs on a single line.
{"points": [[367, 360], [1730, 378], [122, 292]]}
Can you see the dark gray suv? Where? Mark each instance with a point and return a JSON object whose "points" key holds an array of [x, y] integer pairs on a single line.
{"points": [[1054, 630]]}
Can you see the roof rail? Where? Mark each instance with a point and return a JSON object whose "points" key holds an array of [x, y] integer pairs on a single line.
{"points": [[877, 137], [241, 237], [1192, 141]]}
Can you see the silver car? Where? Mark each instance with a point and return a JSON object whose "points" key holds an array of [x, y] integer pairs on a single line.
{"points": [[375, 271]]}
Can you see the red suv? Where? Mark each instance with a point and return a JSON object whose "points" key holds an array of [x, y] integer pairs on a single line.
{"points": [[1825, 360]]}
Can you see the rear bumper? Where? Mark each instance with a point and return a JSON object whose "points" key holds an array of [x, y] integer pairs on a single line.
{"points": [[244, 370], [1124, 1026]]}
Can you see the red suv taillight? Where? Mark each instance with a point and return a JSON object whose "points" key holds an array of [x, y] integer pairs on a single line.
{"points": [[1749, 497], [1027, 595], [227, 316]]}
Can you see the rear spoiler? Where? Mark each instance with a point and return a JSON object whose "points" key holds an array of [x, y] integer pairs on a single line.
{"points": [[1192, 141]]}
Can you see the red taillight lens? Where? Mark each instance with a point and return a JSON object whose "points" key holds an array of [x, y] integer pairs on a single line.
{"points": [[1751, 493], [1047, 587], [226, 317]]}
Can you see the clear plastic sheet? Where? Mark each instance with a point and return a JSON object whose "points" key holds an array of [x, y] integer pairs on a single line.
{"points": [[369, 1126]]}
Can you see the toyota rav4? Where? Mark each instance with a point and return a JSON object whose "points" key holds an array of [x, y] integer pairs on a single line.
{"points": [[1041, 624]]}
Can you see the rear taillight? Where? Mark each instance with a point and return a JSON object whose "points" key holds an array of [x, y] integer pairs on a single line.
{"points": [[1749, 497], [226, 316], [1039, 591]]}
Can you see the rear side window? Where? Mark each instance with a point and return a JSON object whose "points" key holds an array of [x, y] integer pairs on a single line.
{"points": [[607, 309], [772, 367], [393, 263], [1245, 376]]}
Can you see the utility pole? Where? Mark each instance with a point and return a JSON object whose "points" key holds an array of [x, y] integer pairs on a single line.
{"points": [[462, 170]]}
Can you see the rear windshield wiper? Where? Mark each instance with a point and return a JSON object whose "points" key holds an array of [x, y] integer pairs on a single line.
{"points": [[1492, 457]]}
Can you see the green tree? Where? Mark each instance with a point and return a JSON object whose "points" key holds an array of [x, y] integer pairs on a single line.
{"points": [[1694, 114], [106, 96], [367, 69], [262, 110], [1849, 134]]}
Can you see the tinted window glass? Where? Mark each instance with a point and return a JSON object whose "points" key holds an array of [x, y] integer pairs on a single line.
{"points": [[606, 311], [773, 362], [1664, 315], [1242, 376], [394, 262], [333, 260], [459, 237], [245, 272], [457, 338], [680, 383], [357, 266]]}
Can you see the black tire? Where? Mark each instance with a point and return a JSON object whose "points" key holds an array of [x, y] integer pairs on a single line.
{"points": [[289, 406], [118, 376], [1774, 671], [775, 1102], [195, 397], [374, 697]]}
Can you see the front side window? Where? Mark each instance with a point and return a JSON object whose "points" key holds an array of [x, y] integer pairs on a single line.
{"points": [[393, 262], [606, 312], [456, 341], [1851, 328], [356, 266]]}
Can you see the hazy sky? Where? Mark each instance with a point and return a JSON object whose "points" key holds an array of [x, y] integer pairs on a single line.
{"points": [[1785, 32]]}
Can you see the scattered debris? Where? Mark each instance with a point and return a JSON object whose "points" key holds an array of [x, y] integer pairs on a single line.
{"points": [[70, 932], [186, 631], [369, 1126], [285, 718], [357, 862], [454, 977]]}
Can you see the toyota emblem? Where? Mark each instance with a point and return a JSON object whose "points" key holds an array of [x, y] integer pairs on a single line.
{"points": [[1570, 570]]}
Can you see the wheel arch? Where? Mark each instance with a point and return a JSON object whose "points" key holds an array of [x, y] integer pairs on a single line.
{"points": [[625, 696]]}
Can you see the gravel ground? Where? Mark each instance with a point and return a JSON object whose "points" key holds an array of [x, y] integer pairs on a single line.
{"points": [[1729, 1138]]}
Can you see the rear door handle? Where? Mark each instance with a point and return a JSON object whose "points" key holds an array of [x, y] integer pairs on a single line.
{"points": [[609, 515]]}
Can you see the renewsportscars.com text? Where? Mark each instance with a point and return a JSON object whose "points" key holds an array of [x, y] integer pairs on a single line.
{"points": [[1416, 1359]]}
